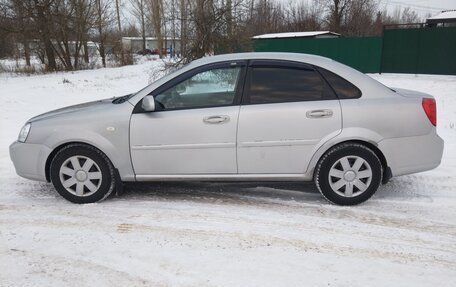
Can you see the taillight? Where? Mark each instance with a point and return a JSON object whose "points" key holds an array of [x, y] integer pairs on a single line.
{"points": [[430, 108]]}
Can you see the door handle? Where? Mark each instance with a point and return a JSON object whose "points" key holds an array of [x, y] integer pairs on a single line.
{"points": [[216, 119], [319, 114]]}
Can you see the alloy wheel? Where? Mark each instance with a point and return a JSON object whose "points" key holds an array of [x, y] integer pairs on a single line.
{"points": [[80, 175], [350, 176]]}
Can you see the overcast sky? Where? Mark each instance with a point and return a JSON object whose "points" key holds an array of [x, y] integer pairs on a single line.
{"points": [[422, 7]]}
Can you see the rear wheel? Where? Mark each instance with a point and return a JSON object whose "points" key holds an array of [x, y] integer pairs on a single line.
{"points": [[348, 174], [82, 174]]}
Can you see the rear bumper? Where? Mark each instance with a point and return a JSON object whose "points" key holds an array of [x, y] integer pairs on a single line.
{"points": [[29, 159], [412, 154]]}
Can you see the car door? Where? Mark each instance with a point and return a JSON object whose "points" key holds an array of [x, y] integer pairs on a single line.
{"points": [[193, 129], [287, 110]]}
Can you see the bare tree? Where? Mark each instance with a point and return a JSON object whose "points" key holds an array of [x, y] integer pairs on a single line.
{"points": [[213, 26], [267, 17], [64, 27], [183, 26], [303, 17], [7, 31], [336, 12], [173, 19], [40, 11], [359, 19], [24, 28], [102, 18], [399, 16], [409, 16], [119, 28], [85, 14], [139, 11], [156, 16], [63, 15]]}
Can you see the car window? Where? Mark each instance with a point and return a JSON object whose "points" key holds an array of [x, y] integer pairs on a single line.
{"points": [[216, 87], [343, 88], [281, 84]]}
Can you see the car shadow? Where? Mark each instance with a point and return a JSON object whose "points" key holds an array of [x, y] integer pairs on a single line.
{"points": [[189, 191], [224, 192]]}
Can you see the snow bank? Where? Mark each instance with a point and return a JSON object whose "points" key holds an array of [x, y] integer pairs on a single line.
{"points": [[231, 234]]}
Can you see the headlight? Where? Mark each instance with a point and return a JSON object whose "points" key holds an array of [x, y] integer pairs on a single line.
{"points": [[24, 132]]}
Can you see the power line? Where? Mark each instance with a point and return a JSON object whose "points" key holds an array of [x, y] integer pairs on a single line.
{"points": [[417, 6]]}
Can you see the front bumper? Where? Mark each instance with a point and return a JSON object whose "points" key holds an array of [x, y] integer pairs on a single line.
{"points": [[29, 159]]}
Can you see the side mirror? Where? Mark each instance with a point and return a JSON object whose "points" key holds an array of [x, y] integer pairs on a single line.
{"points": [[148, 103]]}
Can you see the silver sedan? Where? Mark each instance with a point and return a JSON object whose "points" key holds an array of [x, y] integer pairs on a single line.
{"points": [[238, 117]]}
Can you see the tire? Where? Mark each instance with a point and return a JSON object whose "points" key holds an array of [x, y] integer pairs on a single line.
{"points": [[82, 174], [348, 174]]}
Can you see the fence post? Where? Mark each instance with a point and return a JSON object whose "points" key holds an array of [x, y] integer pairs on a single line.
{"points": [[382, 49]]}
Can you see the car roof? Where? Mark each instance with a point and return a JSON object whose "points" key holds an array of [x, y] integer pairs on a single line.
{"points": [[299, 57]]}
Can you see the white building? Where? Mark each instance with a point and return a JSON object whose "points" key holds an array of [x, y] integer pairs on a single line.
{"points": [[443, 19]]}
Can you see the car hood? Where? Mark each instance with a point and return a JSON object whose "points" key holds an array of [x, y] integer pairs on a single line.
{"points": [[411, 93], [71, 109]]}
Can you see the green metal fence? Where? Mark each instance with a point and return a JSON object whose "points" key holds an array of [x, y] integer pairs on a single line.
{"points": [[362, 53], [420, 50]]}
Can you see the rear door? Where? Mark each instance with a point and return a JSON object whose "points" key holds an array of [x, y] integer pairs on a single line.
{"points": [[287, 110]]}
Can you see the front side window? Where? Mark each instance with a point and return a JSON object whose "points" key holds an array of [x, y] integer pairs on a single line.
{"points": [[282, 84], [216, 87]]}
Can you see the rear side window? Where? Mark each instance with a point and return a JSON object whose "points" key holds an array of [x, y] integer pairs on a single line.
{"points": [[343, 88], [282, 84]]}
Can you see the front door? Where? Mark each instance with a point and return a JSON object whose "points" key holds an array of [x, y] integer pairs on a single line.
{"points": [[193, 129]]}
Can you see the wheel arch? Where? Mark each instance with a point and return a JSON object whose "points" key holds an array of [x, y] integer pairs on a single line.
{"points": [[47, 166], [372, 146]]}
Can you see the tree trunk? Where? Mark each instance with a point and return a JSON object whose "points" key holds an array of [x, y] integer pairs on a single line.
{"points": [[24, 32], [26, 51], [102, 50], [162, 12], [156, 22], [49, 50], [67, 56], [119, 28], [229, 18], [173, 27], [143, 25], [101, 33], [86, 51], [183, 28]]}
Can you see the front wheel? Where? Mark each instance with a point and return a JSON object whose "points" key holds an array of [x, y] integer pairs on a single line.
{"points": [[348, 174], [82, 174]]}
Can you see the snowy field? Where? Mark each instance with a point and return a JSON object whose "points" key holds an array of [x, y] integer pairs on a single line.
{"points": [[212, 234]]}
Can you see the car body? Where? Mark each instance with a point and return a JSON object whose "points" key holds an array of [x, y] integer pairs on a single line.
{"points": [[247, 116]]}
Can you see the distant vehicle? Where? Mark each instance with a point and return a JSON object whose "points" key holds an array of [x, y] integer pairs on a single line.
{"points": [[251, 116], [148, 52]]}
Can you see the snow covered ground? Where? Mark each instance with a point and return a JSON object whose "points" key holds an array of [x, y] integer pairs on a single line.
{"points": [[213, 234]]}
